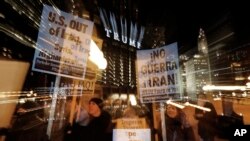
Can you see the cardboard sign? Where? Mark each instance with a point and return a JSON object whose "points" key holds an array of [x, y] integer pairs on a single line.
{"points": [[131, 135], [128, 123]]}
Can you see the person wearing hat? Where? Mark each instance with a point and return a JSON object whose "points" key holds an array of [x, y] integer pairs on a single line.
{"points": [[100, 125]]}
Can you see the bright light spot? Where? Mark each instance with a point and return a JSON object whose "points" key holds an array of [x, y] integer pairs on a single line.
{"points": [[21, 101], [244, 94], [233, 94], [28, 94], [96, 56], [175, 104], [213, 87], [132, 100], [123, 96], [198, 107], [248, 84], [115, 96], [216, 98]]}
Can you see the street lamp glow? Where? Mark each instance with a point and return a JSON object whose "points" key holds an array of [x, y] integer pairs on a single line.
{"points": [[198, 107], [96, 56], [175, 104], [213, 87], [132, 99]]}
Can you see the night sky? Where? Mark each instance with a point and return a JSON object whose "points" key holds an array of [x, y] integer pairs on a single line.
{"points": [[183, 20]]}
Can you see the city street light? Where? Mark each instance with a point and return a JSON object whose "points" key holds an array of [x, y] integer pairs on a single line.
{"points": [[96, 56]]}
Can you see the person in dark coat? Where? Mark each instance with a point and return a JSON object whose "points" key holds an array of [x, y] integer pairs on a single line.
{"points": [[80, 125], [229, 121], [206, 119], [177, 126], [100, 125]]}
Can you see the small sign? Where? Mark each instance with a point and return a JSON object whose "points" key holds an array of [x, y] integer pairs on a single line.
{"points": [[127, 123], [131, 135]]}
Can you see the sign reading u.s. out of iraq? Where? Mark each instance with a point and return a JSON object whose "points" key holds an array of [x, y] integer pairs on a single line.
{"points": [[63, 44], [158, 73]]}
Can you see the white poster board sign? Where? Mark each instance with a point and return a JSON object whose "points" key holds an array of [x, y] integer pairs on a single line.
{"points": [[158, 73], [63, 44], [131, 135]]}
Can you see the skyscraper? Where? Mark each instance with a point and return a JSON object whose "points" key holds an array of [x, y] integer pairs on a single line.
{"points": [[202, 43], [198, 68]]}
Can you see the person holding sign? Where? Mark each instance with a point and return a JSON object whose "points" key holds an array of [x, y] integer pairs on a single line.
{"points": [[177, 126], [80, 125], [100, 125]]}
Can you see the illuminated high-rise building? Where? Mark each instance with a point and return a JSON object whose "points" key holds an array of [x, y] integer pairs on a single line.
{"points": [[198, 68], [202, 42], [196, 74]]}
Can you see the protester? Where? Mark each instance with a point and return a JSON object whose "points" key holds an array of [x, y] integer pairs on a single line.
{"points": [[80, 125], [177, 126], [206, 119], [229, 121], [100, 125]]}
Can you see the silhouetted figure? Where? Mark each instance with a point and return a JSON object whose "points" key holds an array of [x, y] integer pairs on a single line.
{"points": [[229, 121], [206, 119], [80, 125]]}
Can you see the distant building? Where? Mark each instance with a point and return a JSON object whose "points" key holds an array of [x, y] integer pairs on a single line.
{"points": [[198, 68], [202, 43], [197, 74]]}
